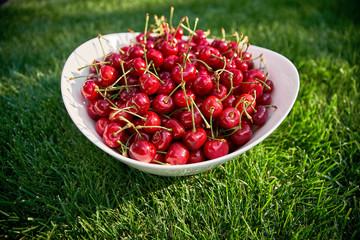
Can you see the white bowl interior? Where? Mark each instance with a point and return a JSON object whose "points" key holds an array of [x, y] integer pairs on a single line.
{"points": [[281, 71]]}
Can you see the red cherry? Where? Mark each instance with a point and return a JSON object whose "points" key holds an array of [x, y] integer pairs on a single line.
{"points": [[220, 45], [100, 125], [166, 86], [254, 74], [196, 156], [260, 116], [177, 129], [180, 100], [138, 65], [115, 115], [158, 159], [114, 59], [161, 139], [91, 110], [270, 88], [170, 62], [129, 92], [216, 148], [140, 103], [229, 118], [149, 84], [186, 118], [168, 49], [187, 73], [142, 151], [108, 75], [135, 52], [155, 56], [242, 135], [102, 107], [199, 36], [141, 134], [241, 65], [252, 87], [202, 84], [194, 140], [211, 56], [177, 154], [237, 78], [247, 101], [219, 91], [113, 133], [163, 103], [264, 99], [229, 101], [89, 90], [211, 105], [152, 119]]}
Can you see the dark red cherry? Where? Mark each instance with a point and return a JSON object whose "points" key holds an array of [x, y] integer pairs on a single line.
{"points": [[215, 148], [177, 129], [108, 75], [220, 45], [264, 99], [211, 106], [229, 118], [113, 134], [166, 86], [202, 84], [186, 118], [161, 139], [242, 135], [168, 49], [219, 91], [114, 59], [158, 159], [100, 125], [194, 140], [270, 87], [148, 83], [91, 110], [236, 77], [142, 151], [141, 134], [170, 62], [229, 101], [102, 107], [138, 66], [177, 154], [129, 92], [163, 103], [260, 116], [89, 90], [196, 156]]}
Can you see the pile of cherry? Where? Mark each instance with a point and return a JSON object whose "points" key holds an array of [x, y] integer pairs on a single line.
{"points": [[173, 99]]}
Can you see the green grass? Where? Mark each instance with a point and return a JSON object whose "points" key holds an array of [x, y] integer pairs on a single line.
{"points": [[302, 182]]}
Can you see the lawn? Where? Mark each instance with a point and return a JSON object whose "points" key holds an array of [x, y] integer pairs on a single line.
{"points": [[302, 182]]}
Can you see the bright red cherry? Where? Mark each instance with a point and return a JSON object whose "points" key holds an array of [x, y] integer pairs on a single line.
{"points": [[211, 106], [194, 140], [166, 86], [220, 45], [260, 116], [186, 74], [135, 52], [231, 80], [91, 110], [196, 156], [252, 87], [89, 90], [202, 84], [177, 154], [108, 75], [216, 148], [229, 118], [113, 134], [142, 151], [101, 124], [168, 49], [102, 107], [177, 129], [180, 99], [149, 84], [186, 118], [161, 139], [254, 74], [211, 56], [152, 119], [139, 102], [245, 101], [163, 103], [155, 56]]}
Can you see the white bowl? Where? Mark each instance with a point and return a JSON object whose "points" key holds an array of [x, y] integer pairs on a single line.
{"points": [[282, 72]]}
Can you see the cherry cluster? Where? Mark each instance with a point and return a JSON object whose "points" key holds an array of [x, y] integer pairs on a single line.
{"points": [[171, 98]]}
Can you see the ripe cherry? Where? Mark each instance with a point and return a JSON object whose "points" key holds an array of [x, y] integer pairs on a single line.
{"points": [[152, 119], [166, 86], [194, 140], [229, 118], [180, 99], [215, 148], [264, 99], [270, 87], [186, 118], [108, 75], [220, 45], [243, 134], [89, 90], [177, 129], [168, 49], [177, 154], [252, 87], [219, 91], [245, 101], [142, 151], [149, 84], [170, 62], [158, 159], [163, 103], [196, 156], [260, 116], [155, 56], [113, 134], [100, 125], [211, 106], [202, 84], [180, 74], [231, 80], [211, 56], [161, 139], [139, 103], [91, 110], [135, 52], [138, 66], [102, 107]]}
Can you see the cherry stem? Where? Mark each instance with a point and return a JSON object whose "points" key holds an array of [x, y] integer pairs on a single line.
{"points": [[223, 34], [192, 116], [146, 27], [171, 16], [102, 48], [72, 78], [202, 116], [173, 91], [125, 79], [150, 72], [162, 127], [124, 75], [207, 66], [231, 89], [211, 125], [92, 64], [130, 125]]}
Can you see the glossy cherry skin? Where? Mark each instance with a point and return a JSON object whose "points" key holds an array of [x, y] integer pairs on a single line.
{"points": [[229, 101], [102, 107], [241, 65], [89, 90], [113, 134], [220, 45], [219, 91], [135, 52], [199, 36], [163, 103], [142, 151], [177, 129], [128, 93], [237, 78], [155, 56], [194, 140], [177, 154], [166, 86], [270, 88], [167, 49], [260, 116], [116, 115], [196, 156], [187, 120], [161, 139], [140, 102], [242, 135], [170, 62], [202, 84], [247, 101], [211, 56], [211, 106], [108, 75], [91, 110], [188, 73], [158, 159], [216, 148], [252, 87], [264, 99], [149, 84], [114, 59], [180, 99], [100, 125], [141, 134], [229, 118], [254, 74], [138, 65], [152, 119]]}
